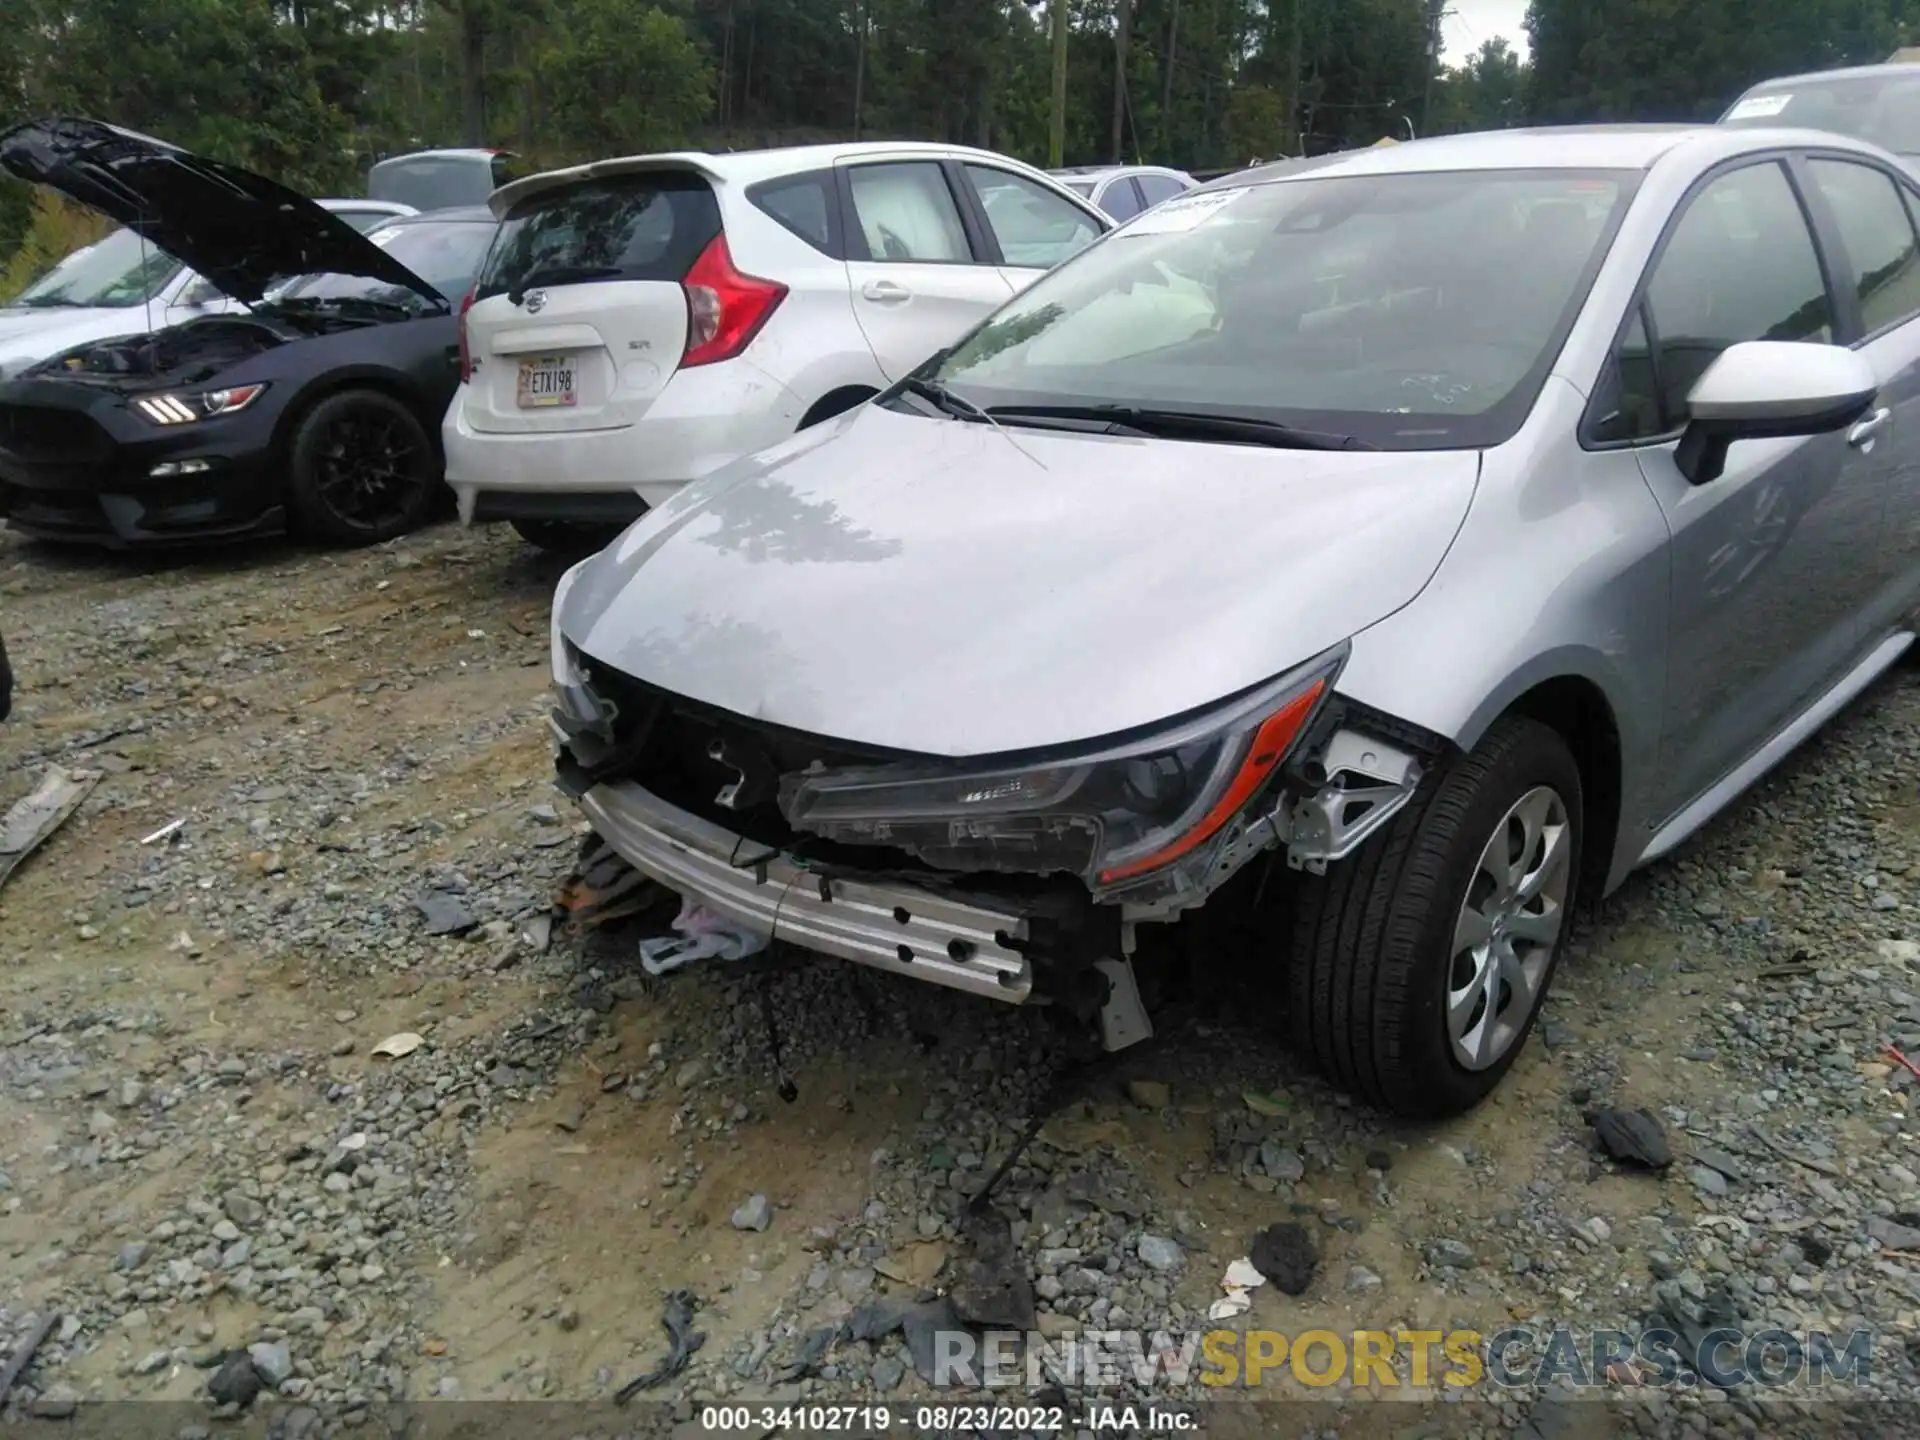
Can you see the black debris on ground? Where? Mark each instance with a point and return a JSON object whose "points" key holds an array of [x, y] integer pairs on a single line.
{"points": [[1286, 1255], [683, 1340], [1632, 1137], [992, 1288], [236, 1382]]}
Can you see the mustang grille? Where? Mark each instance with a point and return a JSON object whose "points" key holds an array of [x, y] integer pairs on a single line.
{"points": [[39, 432]]}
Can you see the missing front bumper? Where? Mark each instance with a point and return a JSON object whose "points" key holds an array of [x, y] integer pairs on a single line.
{"points": [[889, 925]]}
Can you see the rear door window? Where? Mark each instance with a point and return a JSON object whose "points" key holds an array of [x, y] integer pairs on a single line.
{"points": [[649, 226], [907, 213]]}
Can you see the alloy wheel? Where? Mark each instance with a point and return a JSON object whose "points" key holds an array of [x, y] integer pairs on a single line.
{"points": [[369, 471], [1509, 923]]}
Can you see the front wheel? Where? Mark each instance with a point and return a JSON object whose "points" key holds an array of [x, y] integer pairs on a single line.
{"points": [[361, 469], [1419, 962]]}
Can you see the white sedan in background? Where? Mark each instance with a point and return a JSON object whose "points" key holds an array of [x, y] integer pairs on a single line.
{"points": [[123, 285]]}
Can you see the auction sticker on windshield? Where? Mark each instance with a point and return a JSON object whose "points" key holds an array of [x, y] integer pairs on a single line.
{"points": [[384, 238], [1760, 107], [546, 381], [1184, 212]]}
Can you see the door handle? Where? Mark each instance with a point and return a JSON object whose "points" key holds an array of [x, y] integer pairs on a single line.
{"points": [[885, 292], [1861, 435]]}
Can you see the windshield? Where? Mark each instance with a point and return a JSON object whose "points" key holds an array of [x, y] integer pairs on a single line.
{"points": [[121, 270], [1082, 188], [445, 254], [1412, 311], [1881, 109]]}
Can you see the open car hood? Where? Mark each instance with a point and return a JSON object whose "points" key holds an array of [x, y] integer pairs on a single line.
{"points": [[239, 230]]}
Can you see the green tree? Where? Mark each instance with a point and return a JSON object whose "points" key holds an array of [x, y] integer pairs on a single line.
{"points": [[1656, 60], [1489, 92], [622, 80]]}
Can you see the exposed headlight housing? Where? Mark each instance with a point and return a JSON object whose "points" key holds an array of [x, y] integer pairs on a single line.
{"points": [[1137, 817], [578, 710], [172, 409]]}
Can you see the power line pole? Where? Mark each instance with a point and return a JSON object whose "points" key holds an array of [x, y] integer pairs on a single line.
{"points": [[859, 64], [1296, 141], [1436, 11], [1057, 133]]}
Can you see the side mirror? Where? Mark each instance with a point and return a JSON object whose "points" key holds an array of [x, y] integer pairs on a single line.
{"points": [[1770, 389], [199, 293]]}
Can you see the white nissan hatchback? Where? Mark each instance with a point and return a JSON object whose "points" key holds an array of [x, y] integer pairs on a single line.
{"points": [[641, 322]]}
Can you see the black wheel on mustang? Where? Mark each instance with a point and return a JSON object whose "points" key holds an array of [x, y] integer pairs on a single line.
{"points": [[567, 537], [1420, 961], [361, 469]]}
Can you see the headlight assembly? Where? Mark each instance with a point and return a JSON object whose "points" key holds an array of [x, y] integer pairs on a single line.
{"points": [[172, 409], [1115, 818]]}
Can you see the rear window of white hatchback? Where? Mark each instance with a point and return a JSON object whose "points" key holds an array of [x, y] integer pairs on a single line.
{"points": [[646, 226]]}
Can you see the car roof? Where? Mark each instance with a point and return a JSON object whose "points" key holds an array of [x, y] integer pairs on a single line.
{"points": [[1560, 147], [468, 152], [744, 167], [1850, 72], [456, 214], [1101, 172], [385, 207]]}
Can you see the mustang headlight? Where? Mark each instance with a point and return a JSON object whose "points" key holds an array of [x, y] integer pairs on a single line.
{"points": [[1110, 817], [172, 409]]}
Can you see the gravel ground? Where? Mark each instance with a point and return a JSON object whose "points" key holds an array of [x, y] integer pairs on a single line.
{"points": [[223, 1192]]}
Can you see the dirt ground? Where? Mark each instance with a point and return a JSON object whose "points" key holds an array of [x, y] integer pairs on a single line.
{"points": [[338, 729]]}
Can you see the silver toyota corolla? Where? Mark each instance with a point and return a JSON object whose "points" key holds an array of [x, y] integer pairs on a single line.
{"points": [[1438, 533]]}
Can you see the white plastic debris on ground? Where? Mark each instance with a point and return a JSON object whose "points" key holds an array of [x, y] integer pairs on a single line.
{"points": [[1240, 1282], [703, 936]]}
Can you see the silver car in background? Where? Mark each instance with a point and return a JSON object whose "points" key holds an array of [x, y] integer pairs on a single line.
{"points": [[1439, 533], [1124, 191]]}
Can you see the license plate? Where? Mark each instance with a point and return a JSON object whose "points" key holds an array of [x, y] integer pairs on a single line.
{"points": [[547, 381]]}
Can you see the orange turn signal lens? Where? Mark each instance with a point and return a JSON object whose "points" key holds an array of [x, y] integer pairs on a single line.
{"points": [[1270, 745]]}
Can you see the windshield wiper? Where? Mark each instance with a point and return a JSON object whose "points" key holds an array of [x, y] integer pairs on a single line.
{"points": [[48, 302], [1186, 424], [949, 403], [561, 275], [945, 400]]}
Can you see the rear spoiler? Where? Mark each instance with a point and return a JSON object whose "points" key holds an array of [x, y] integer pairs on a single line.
{"points": [[512, 193]]}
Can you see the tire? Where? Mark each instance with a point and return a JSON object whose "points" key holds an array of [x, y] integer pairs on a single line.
{"points": [[361, 469], [1374, 938], [567, 537]]}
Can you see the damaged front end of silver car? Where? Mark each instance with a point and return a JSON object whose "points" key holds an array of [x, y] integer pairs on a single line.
{"points": [[1023, 879]]}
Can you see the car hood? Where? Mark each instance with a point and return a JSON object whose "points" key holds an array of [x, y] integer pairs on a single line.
{"points": [[237, 229], [947, 588]]}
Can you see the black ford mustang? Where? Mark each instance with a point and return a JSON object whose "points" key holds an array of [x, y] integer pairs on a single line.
{"points": [[315, 409]]}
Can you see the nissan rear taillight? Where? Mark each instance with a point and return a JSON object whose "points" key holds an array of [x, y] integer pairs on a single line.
{"points": [[725, 308], [466, 352]]}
